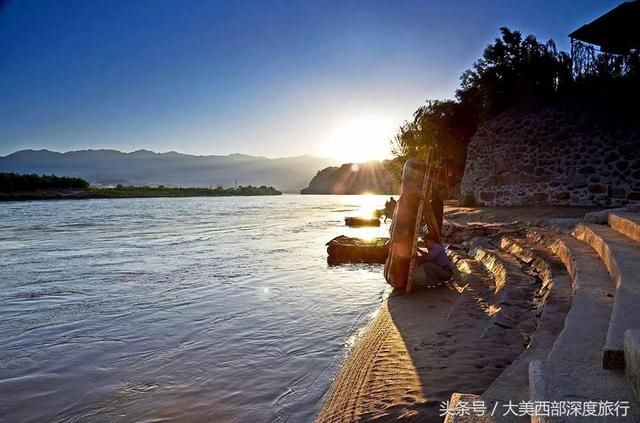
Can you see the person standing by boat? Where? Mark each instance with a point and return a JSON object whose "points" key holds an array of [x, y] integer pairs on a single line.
{"points": [[389, 208]]}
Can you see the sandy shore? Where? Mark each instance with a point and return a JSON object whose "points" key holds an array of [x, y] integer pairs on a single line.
{"points": [[380, 378], [418, 351], [422, 347]]}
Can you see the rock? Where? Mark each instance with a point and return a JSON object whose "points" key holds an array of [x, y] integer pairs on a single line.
{"points": [[587, 170], [618, 193], [539, 198], [622, 165], [352, 178]]}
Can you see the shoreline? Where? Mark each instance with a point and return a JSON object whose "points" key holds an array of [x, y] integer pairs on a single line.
{"points": [[86, 195], [380, 378], [422, 348]]}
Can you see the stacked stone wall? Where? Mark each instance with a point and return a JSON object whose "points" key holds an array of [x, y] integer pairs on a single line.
{"points": [[553, 156]]}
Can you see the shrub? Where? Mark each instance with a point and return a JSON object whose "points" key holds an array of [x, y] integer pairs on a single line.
{"points": [[469, 200]]}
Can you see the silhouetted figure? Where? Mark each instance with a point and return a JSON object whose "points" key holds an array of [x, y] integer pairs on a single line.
{"points": [[389, 208], [435, 262], [437, 205]]}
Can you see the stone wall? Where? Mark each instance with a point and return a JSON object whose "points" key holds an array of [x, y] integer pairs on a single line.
{"points": [[553, 156]]}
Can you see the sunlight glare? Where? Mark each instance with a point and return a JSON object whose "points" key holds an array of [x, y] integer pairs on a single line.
{"points": [[362, 139], [368, 205]]}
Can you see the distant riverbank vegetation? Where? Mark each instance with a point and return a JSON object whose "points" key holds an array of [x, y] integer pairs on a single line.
{"points": [[514, 71], [14, 186], [121, 191], [15, 182]]}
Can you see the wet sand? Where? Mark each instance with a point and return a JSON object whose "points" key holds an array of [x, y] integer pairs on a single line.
{"points": [[418, 351], [380, 378]]}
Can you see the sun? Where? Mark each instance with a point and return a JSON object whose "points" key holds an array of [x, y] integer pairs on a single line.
{"points": [[360, 139]]}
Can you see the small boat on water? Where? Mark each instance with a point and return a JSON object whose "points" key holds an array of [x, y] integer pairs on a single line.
{"points": [[344, 249], [361, 221]]}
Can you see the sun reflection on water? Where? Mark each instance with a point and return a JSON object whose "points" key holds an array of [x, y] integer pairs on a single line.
{"points": [[369, 203]]}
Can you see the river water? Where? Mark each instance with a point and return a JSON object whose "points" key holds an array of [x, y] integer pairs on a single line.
{"points": [[190, 309]]}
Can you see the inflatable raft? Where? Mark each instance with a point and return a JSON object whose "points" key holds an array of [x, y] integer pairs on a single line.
{"points": [[344, 249], [403, 225], [361, 221]]}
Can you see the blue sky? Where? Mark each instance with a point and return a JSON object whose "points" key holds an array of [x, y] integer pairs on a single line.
{"points": [[272, 78]]}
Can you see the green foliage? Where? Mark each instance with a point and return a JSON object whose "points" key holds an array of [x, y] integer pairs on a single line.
{"points": [[14, 182], [121, 191], [468, 201], [512, 71]]}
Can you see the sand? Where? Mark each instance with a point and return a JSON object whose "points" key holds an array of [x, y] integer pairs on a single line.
{"points": [[418, 351], [422, 347]]}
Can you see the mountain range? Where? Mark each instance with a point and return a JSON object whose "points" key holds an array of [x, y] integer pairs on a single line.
{"points": [[143, 167]]}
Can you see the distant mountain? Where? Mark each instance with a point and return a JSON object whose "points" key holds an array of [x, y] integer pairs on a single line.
{"points": [[352, 178], [143, 167]]}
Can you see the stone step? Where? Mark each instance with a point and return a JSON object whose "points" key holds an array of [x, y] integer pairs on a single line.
{"points": [[486, 274], [621, 256], [553, 301], [627, 223], [467, 402], [632, 358], [514, 290], [573, 371], [514, 256]]}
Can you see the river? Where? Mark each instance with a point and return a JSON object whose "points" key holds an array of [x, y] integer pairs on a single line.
{"points": [[198, 309]]}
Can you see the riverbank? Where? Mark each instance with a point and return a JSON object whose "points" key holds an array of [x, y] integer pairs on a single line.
{"points": [[136, 192], [459, 337]]}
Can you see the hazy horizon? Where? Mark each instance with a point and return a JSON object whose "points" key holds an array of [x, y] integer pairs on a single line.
{"points": [[266, 79], [50, 150]]}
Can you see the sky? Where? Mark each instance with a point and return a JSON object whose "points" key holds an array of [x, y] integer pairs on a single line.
{"points": [[270, 78]]}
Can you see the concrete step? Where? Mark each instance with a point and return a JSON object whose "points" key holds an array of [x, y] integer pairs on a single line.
{"points": [[632, 358], [572, 371], [627, 223], [621, 256], [553, 302]]}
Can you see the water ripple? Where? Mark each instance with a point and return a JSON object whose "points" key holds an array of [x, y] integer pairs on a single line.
{"points": [[206, 309]]}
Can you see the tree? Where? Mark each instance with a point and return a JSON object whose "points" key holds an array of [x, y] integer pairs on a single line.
{"points": [[512, 70]]}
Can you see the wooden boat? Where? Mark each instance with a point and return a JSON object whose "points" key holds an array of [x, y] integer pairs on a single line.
{"points": [[344, 249], [361, 221]]}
